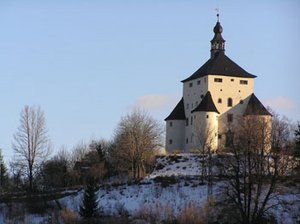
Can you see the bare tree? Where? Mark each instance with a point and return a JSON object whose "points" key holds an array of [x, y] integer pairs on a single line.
{"points": [[3, 172], [78, 152], [31, 143], [253, 169], [137, 138], [203, 143]]}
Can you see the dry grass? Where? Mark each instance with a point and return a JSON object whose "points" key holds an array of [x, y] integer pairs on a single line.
{"points": [[156, 213], [69, 216]]}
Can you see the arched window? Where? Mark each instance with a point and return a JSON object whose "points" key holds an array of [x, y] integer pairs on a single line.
{"points": [[229, 102]]}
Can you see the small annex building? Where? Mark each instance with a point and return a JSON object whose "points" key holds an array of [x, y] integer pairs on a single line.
{"points": [[213, 98]]}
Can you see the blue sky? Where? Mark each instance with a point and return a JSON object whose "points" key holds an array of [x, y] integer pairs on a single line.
{"points": [[88, 63]]}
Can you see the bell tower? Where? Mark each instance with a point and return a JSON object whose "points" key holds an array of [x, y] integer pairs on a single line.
{"points": [[217, 43]]}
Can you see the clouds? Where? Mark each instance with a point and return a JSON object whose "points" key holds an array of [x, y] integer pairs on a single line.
{"points": [[285, 106], [156, 102], [281, 102]]}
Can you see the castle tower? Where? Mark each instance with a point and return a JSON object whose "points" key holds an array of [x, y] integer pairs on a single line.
{"points": [[217, 43]]}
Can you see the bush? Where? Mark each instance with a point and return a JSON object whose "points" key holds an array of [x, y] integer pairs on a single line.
{"points": [[165, 181], [68, 216]]}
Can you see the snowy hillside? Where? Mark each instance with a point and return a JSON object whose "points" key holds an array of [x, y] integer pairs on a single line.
{"points": [[177, 165], [173, 186]]}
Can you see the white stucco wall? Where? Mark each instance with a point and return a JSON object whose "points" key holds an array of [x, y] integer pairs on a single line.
{"points": [[205, 130], [175, 133]]}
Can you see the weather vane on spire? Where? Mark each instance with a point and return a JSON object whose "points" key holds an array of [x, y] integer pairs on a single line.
{"points": [[218, 15]]}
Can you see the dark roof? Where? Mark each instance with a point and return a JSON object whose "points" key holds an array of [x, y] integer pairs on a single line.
{"points": [[218, 29], [207, 104], [178, 112], [220, 65], [255, 107]]}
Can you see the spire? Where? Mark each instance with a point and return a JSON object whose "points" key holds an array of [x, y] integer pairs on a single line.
{"points": [[217, 43]]}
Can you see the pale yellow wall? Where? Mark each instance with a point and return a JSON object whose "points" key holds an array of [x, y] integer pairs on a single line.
{"points": [[228, 88]]}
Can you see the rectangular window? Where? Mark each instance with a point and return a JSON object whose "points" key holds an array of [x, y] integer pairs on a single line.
{"points": [[198, 82], [191, 84], [170, 141], [218, 80], [187, 122], [244, 82], [229, 118], [171, 123]]}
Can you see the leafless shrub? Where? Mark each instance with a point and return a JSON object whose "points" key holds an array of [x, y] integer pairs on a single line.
{"points": [[68, 216]]}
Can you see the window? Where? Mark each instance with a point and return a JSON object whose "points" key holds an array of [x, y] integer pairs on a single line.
{"points": [[191, 84], [218, 80], [202, 96], [243, 82], [219, 100], [229, 102], [170, 141], [187, 122], [241, 101], [198, 82], [171, 123], [221, 90], [229, 118], [207, 116], [232, 80], [187, 106], [205, 80], [186, 140], [219, 136]]}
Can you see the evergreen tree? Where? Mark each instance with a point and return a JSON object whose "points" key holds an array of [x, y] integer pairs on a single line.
{"points": [[297, 141], [89, 207], [3, 171]]}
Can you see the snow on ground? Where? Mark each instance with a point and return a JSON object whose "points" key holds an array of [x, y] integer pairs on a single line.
{"points": [[175, 183], [183, 189], [177, 165], [184, 171], [131, 198]]}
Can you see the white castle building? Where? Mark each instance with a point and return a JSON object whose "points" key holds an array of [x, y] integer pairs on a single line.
{"points": [[214, 97]]}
